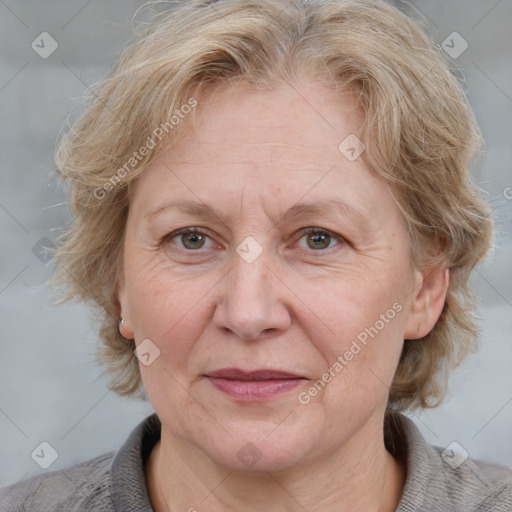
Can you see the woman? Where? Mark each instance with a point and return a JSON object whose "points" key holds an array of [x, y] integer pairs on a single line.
{"points": [[274, 219]]}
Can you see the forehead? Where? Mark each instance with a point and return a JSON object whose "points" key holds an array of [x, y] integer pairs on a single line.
{"points": [[310, 117], [277, 148]]}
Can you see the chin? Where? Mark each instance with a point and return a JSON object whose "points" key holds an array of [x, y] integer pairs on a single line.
{"points": [[256, 448]]}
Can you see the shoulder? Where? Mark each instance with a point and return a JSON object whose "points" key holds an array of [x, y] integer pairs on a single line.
{"points": [[84, 486], [111, 482], [471, 485], [447, 478]]}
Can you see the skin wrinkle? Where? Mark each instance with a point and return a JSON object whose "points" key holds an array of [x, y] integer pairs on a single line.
{"points": [[289, 309], [302, 210]]}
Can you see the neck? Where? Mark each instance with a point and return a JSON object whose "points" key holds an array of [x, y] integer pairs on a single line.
{"points": [[362, 476]]}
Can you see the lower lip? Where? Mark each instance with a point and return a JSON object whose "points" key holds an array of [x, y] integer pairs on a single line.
{"points": [[254, 390]]}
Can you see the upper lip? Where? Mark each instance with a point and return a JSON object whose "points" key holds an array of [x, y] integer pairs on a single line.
{"points": [[263, 374]]}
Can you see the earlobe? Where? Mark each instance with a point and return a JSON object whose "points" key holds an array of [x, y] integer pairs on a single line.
{"points": [[428, 303], [125, 327]]}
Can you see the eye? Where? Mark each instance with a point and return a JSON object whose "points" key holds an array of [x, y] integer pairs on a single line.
{"points": [[193, 239], [319, 239], [190, 238]]}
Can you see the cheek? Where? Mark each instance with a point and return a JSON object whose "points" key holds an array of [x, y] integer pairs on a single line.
{"points": [[361, 338], [167, 309], [351, 307]]}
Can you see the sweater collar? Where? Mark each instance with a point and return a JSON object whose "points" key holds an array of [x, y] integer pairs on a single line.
{"points": [[129, 489], [406, 443]]}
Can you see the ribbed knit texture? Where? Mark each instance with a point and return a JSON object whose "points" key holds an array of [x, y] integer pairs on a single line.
{"points": [[115, 482]]}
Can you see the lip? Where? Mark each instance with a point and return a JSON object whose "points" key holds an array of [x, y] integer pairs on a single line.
{"points": [[254, 386], [253, 375]]}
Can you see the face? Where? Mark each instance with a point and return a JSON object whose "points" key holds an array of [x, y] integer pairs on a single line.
{"points": [[302, 265]]}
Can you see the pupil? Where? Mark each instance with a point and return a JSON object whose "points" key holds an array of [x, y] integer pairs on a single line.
{"points": [[194, 239], [318, 240], [321, 238]]}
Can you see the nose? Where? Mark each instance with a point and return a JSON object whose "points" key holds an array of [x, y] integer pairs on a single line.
{"points": [[253, 301]]}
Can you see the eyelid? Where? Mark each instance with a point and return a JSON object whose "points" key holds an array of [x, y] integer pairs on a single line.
{"points": [[188, 230], [299, 234], [308, 230]]}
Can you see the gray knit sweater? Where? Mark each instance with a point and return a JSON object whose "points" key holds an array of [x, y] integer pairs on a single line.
{"points": [[115, 482]]}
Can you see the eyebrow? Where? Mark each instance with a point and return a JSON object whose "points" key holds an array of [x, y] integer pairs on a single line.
{"points": [[328, 206]]}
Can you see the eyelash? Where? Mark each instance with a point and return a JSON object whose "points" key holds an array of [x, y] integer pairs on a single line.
{"points": [[302, 232]]}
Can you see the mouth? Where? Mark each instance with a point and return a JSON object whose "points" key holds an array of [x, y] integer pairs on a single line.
{"points": [[254, 386]]}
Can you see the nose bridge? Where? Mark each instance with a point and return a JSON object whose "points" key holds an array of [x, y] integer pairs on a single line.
{"points": [[251, 302], [249, 282], [250, 270]]}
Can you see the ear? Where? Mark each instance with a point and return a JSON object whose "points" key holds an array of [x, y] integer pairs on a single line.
{"points": [[125, 327], [428, 302]]}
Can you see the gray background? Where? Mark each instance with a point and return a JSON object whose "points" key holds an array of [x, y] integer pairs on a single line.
{"points": [[50, 388]]}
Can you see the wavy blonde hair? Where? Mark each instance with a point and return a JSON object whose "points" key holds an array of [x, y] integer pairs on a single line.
{"points": [[419, 130]]}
